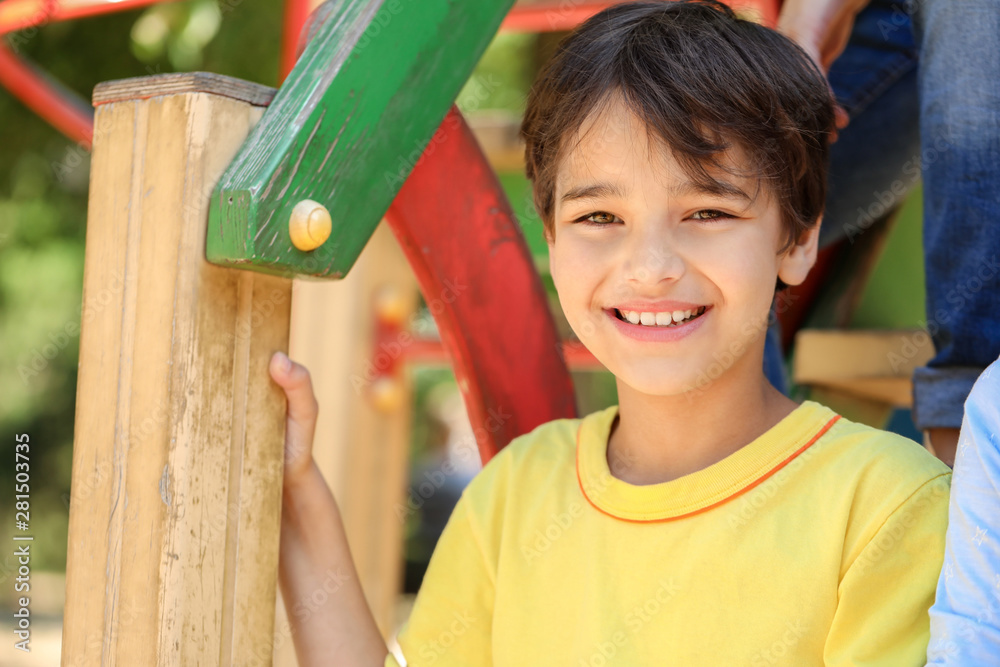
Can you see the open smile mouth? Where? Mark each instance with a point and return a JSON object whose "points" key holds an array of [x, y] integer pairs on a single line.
{"points": [[662, 320]]}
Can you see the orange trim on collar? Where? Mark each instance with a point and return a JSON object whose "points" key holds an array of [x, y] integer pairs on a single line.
{"points": [[748, 487]]}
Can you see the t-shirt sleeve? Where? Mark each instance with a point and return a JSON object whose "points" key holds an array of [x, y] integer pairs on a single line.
{"points": [[965, 618], [882, 618], [452, 616]]}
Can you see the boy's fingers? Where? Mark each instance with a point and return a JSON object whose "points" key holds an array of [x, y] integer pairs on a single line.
{"points": [[303, 407], [297, 383]]}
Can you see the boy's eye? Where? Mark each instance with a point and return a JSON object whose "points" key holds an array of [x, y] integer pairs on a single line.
{"points": [[603, 218], [600, 218], [713, 215]]}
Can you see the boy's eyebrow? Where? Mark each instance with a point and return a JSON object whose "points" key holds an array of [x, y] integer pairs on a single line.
{"points": [[604, 190], [594, 191]]}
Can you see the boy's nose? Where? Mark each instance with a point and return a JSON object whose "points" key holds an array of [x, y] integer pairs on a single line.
{"points": [[652, 261]]}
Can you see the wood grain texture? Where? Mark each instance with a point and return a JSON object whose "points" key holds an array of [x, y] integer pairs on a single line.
{"points": [[177, 83], [177, 461]]}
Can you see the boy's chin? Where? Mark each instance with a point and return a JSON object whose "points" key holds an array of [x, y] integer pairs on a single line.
{"points": [[673, 382]]}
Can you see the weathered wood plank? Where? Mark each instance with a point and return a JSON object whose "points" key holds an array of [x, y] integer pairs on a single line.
{"points": [[177, 461], [176, 83]]}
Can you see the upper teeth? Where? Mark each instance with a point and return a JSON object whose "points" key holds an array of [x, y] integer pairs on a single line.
{"points": [[659, 319]]}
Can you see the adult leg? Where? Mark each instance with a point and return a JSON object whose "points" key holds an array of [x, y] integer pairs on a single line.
{"points": [[875, 161], [958, 80]]}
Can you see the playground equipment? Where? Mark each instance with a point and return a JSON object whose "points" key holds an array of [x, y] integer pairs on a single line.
{"points": [[177, 465]]}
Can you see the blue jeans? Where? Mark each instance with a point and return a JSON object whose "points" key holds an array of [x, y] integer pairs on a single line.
{"points": [[921, 83]]}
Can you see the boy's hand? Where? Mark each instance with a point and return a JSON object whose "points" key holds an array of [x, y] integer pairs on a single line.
{"points": [[303, 408]]}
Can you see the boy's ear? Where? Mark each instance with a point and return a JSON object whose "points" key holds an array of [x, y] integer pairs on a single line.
{"points": [[800, 258]]}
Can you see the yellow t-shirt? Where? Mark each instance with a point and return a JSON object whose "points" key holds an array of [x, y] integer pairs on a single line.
{"points": [[819, 543]]}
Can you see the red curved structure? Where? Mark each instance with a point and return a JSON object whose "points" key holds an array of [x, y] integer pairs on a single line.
{"points": [[498, 330]]}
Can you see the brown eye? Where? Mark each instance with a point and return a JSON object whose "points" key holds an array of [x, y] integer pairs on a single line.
{"points": [[598, 218], [714, 215]]}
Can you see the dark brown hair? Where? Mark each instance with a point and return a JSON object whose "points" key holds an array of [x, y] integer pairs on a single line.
{"points": [[701, 79]]}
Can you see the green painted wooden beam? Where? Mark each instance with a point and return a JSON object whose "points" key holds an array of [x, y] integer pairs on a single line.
{"points": [[346, 128]]}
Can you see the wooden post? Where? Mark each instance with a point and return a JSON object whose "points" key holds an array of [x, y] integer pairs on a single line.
{"points": [[177, 460]]}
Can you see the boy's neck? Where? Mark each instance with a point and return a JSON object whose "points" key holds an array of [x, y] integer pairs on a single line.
{"points": [[657, 439]]}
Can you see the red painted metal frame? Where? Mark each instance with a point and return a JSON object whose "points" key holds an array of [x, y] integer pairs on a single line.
{"points": [[292, 40], [21, 14], [60, 107], [498, 328]]}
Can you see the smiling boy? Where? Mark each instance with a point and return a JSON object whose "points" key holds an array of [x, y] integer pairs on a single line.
{"points": [[658, 280], [678, 156]]}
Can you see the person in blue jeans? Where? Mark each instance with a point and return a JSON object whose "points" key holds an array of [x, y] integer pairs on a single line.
{"points": [[965, 616], [918, 81]]}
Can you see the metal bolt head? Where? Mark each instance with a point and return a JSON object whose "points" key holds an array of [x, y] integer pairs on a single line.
{"points": [[309, 225]]}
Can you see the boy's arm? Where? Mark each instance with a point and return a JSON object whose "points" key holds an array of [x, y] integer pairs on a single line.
{"points": [[881, 618], [965, 618], [329, 616]]}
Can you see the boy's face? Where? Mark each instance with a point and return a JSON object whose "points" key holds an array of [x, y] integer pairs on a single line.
{"points": [[661, 248]]}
